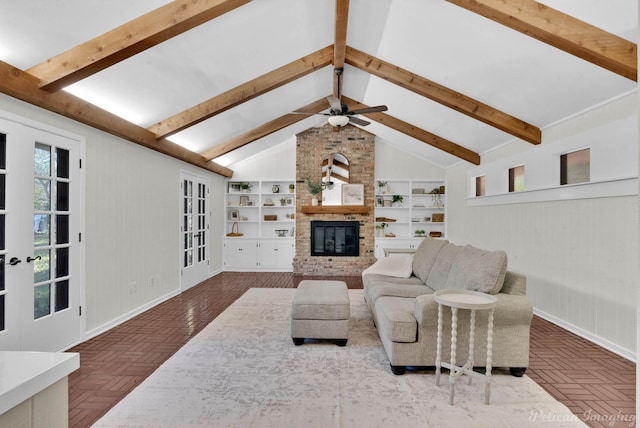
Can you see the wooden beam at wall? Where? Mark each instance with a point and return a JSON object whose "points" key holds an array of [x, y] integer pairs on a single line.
{"points": [[128, 40], [264, 130], [23, 86], [443, 95], [418, 133], [340, 41], [244, 92], [561, 31]]}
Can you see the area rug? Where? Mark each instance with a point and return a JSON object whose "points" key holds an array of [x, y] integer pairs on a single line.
{"points": [[243, 370]]}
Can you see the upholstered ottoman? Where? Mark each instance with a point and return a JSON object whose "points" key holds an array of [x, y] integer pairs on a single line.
{"points": [[320, 310]]}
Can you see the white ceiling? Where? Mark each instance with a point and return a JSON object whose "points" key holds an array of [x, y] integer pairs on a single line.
{"points": [[434, 39]]}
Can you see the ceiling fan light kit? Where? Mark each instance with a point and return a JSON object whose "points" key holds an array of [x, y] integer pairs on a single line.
{"points": [[338, 121]]}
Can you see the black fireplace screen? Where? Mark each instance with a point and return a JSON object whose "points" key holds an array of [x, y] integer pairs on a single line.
{"points": [[335, 238]]}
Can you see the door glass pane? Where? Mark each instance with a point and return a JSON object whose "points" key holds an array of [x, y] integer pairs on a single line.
{"points": [[42, 266], [62, 163], [2, 191], [62, 262], [62, 229], [62, 196], [41, 230], [2, 230], [41, 301], [3, 151], [2, 313], [42, 194], [2, 286], [42, 160], [62, 295]]}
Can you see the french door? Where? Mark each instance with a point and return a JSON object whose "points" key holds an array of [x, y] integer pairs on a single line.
{"points": [[41, 214], [194, 230]]}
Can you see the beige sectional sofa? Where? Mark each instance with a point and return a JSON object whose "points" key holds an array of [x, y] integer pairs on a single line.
{"points": [[399, 292]]}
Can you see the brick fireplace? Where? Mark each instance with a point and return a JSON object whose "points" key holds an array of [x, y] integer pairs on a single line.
{"points": [[313, 145]]}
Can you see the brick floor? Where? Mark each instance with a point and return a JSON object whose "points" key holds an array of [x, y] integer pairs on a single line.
{"points": [[597, 385]]}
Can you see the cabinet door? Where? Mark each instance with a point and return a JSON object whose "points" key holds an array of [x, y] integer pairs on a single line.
{"points": [[381, 244], [276, 255], [240, 254]]}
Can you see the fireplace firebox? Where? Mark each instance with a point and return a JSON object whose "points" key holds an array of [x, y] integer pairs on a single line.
{"points": [[335, 238]]}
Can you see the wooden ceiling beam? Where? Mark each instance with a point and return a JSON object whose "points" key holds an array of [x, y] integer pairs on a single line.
{"points": [[264, 130], [23, 86], [443, 95], [128, 40], [418, 133], [561, 31], [244, 92], [340, 41]]}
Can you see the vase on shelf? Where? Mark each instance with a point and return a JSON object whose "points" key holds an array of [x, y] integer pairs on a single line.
{"points": [[314, 201]]}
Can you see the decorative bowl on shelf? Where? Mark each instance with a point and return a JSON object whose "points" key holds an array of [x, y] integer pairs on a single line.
{"points": [[281, 232]]}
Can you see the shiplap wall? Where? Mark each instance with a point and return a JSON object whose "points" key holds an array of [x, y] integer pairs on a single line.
{"points": [[132, 221], [580, 256]]}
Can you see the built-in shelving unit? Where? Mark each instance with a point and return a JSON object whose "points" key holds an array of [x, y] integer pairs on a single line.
{"points": [[422, 207], [263, 212]]}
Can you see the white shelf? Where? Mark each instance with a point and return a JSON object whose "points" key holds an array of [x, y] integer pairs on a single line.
{"points": [[414, 213], [248, 209]]}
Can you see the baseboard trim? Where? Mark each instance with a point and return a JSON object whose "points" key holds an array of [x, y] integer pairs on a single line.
{"points": [[129, 315], [616, 349]]}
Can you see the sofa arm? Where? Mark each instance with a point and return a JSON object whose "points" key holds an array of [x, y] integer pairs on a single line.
{"points": [[510, 310], [425, 310]]}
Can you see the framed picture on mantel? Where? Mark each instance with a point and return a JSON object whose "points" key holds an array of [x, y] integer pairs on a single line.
{"points": [[352, 194]]}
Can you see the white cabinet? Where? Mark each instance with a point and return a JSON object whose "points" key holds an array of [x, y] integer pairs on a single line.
{"points": [[241, 254], [391, 243], [264, 213], [407, 207], [274, 255]]}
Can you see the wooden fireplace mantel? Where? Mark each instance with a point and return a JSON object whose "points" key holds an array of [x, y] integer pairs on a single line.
{"points": [[335, 209]]}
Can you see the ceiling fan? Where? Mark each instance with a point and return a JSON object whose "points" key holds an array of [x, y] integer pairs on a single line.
{"points": [[340, 115]]}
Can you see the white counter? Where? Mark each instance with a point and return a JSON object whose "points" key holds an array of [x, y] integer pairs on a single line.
{"points": [[25, 374]]}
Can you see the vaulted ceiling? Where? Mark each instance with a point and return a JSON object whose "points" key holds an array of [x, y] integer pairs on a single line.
{"points": [[212, 82]]}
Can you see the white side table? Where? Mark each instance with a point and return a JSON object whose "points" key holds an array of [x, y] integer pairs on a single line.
{"points": [[473, 301]]}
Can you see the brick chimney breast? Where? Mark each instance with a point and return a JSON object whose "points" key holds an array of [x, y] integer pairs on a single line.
{"points": [[313, 145]]}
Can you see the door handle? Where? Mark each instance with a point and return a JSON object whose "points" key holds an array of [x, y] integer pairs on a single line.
{"points": [[30, 259], [14, 261]]}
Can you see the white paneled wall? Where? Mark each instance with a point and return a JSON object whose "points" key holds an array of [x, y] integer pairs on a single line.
{"points": [[580, 256], [132, 221]]}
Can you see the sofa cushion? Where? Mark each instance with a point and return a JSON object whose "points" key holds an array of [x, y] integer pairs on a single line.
{"points": [[396, 320], [478, 270], [379, 288], [425, 256], [440, 271], [396, 266]]}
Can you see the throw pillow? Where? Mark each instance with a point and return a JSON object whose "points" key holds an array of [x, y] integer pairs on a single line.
{"points": [[439, 273], [478, 270], [397, 266]]}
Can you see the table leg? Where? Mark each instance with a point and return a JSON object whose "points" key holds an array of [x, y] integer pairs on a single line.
{"points": [[472, 335], [454, 345], [487, 386], [439, 345]]}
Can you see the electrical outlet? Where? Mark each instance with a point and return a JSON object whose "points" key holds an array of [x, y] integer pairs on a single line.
{"points": [[133, 287]]}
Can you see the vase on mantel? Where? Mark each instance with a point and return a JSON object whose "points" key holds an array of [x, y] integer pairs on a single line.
{"points": [[314, 201]]}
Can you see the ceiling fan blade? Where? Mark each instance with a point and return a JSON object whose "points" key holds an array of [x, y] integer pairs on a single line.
{"points": [[334, 103], [306, 112], [358, 121], [368, 110]]}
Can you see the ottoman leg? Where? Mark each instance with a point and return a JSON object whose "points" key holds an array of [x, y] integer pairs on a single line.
{"points": [[341, 342], [298, 340]]}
